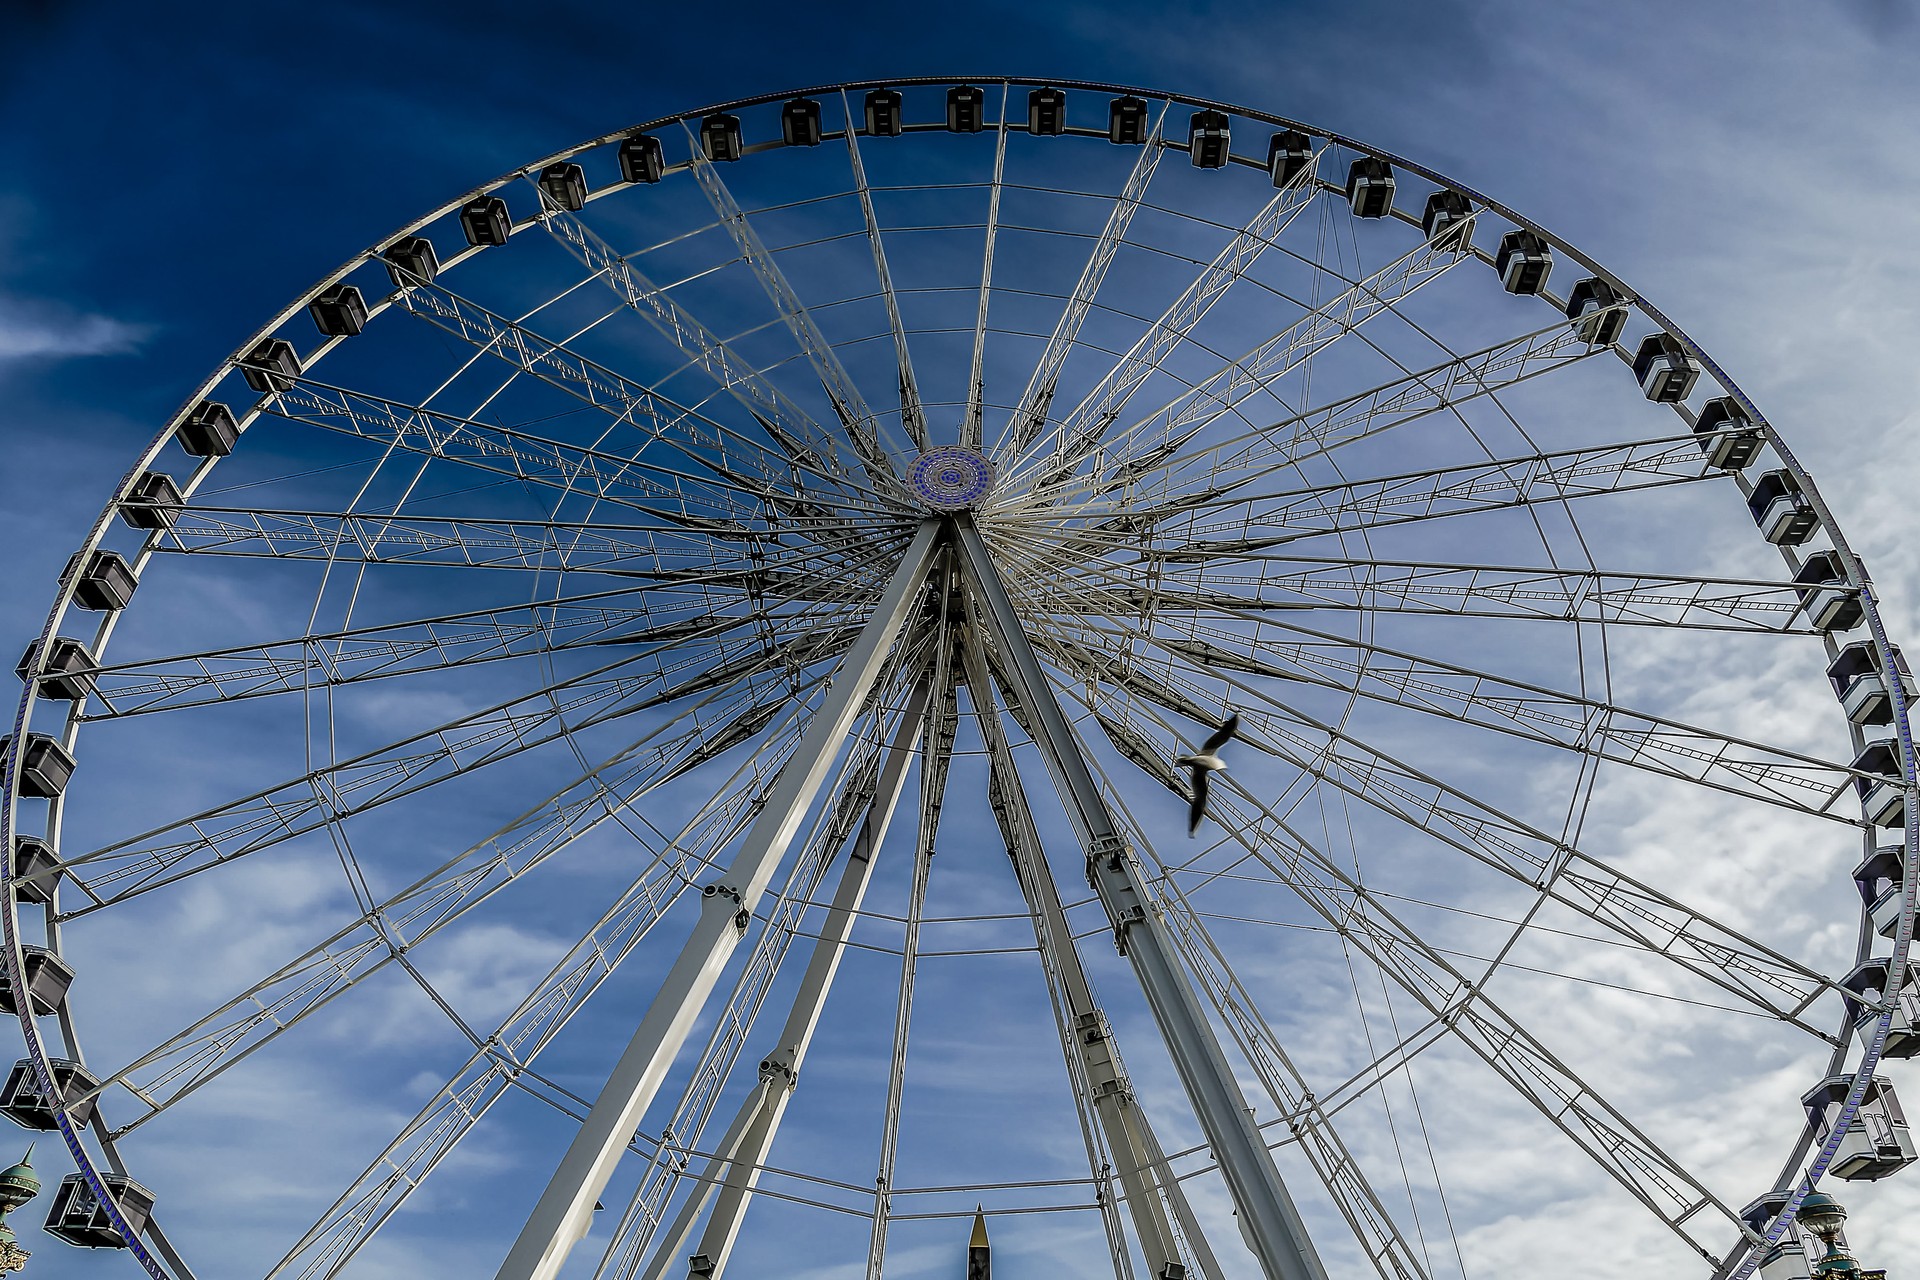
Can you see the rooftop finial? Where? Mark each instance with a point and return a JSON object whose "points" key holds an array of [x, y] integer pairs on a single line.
{"points": [[979, 1252]]}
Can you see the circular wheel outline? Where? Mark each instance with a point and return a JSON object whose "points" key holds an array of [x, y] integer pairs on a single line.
{"points": [[1856, 576]]}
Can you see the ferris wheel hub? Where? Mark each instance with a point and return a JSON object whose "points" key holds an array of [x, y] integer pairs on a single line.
{"points": [[951, 478]]}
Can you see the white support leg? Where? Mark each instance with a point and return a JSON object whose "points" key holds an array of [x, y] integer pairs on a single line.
{"points": [[565, 1209], [780, 1072], [934, 766], [673, 1241], [1268, 1218], [1142, 1168]]}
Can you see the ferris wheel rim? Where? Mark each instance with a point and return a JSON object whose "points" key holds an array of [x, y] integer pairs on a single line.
{"points": [[1855, 572]]}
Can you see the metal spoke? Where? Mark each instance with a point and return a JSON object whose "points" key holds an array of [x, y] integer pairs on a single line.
{"points": [[448, 541], [698, 439], [912, 414], [1136, 462], [971, 427], [682, 606], [1272, 519], [1690, 939], [855, 417], [1262, 580], [1036, 402], [1084, 424], [758, 673], [1290, 349], [788, 425], [689, 550], [677, 609], [1287, 651], [522, 456]]}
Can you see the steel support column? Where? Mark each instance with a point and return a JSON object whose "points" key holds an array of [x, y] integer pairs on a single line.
{"points": [[565, 1209], [1142, 1172], [735, 1171], [674, 1239], [1268, 1219]]}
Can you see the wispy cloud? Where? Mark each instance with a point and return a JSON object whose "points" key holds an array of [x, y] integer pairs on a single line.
{"points": [[30, 329]]}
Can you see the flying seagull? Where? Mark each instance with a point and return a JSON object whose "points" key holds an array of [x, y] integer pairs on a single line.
{"points": [[1203, 764]]}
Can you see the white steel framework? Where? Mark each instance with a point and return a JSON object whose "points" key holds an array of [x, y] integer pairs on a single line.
{"points": [[656, 601]]}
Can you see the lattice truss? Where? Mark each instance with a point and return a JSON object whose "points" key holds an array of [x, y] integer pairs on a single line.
{"points": [[581, 620]]}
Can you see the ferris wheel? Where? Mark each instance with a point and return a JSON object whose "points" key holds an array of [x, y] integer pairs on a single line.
{"points": [[645, 727]]}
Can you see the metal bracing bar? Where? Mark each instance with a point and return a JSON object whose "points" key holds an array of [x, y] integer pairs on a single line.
{"points": [[736, 1166], [565, 1209], [1269, 1221], [1142, 1168]]}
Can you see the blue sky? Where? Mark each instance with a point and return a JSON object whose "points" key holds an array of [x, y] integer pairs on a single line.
{"points": [[173, 178]]}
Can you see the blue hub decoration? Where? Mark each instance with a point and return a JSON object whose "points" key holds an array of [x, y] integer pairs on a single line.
{"points": [[951, 478]]}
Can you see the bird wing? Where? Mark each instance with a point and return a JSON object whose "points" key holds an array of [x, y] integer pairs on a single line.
{"points": [[1224, 736], [1198, 809]]}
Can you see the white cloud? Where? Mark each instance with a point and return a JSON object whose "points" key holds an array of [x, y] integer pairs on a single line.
{"points": [[31, 329]]}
